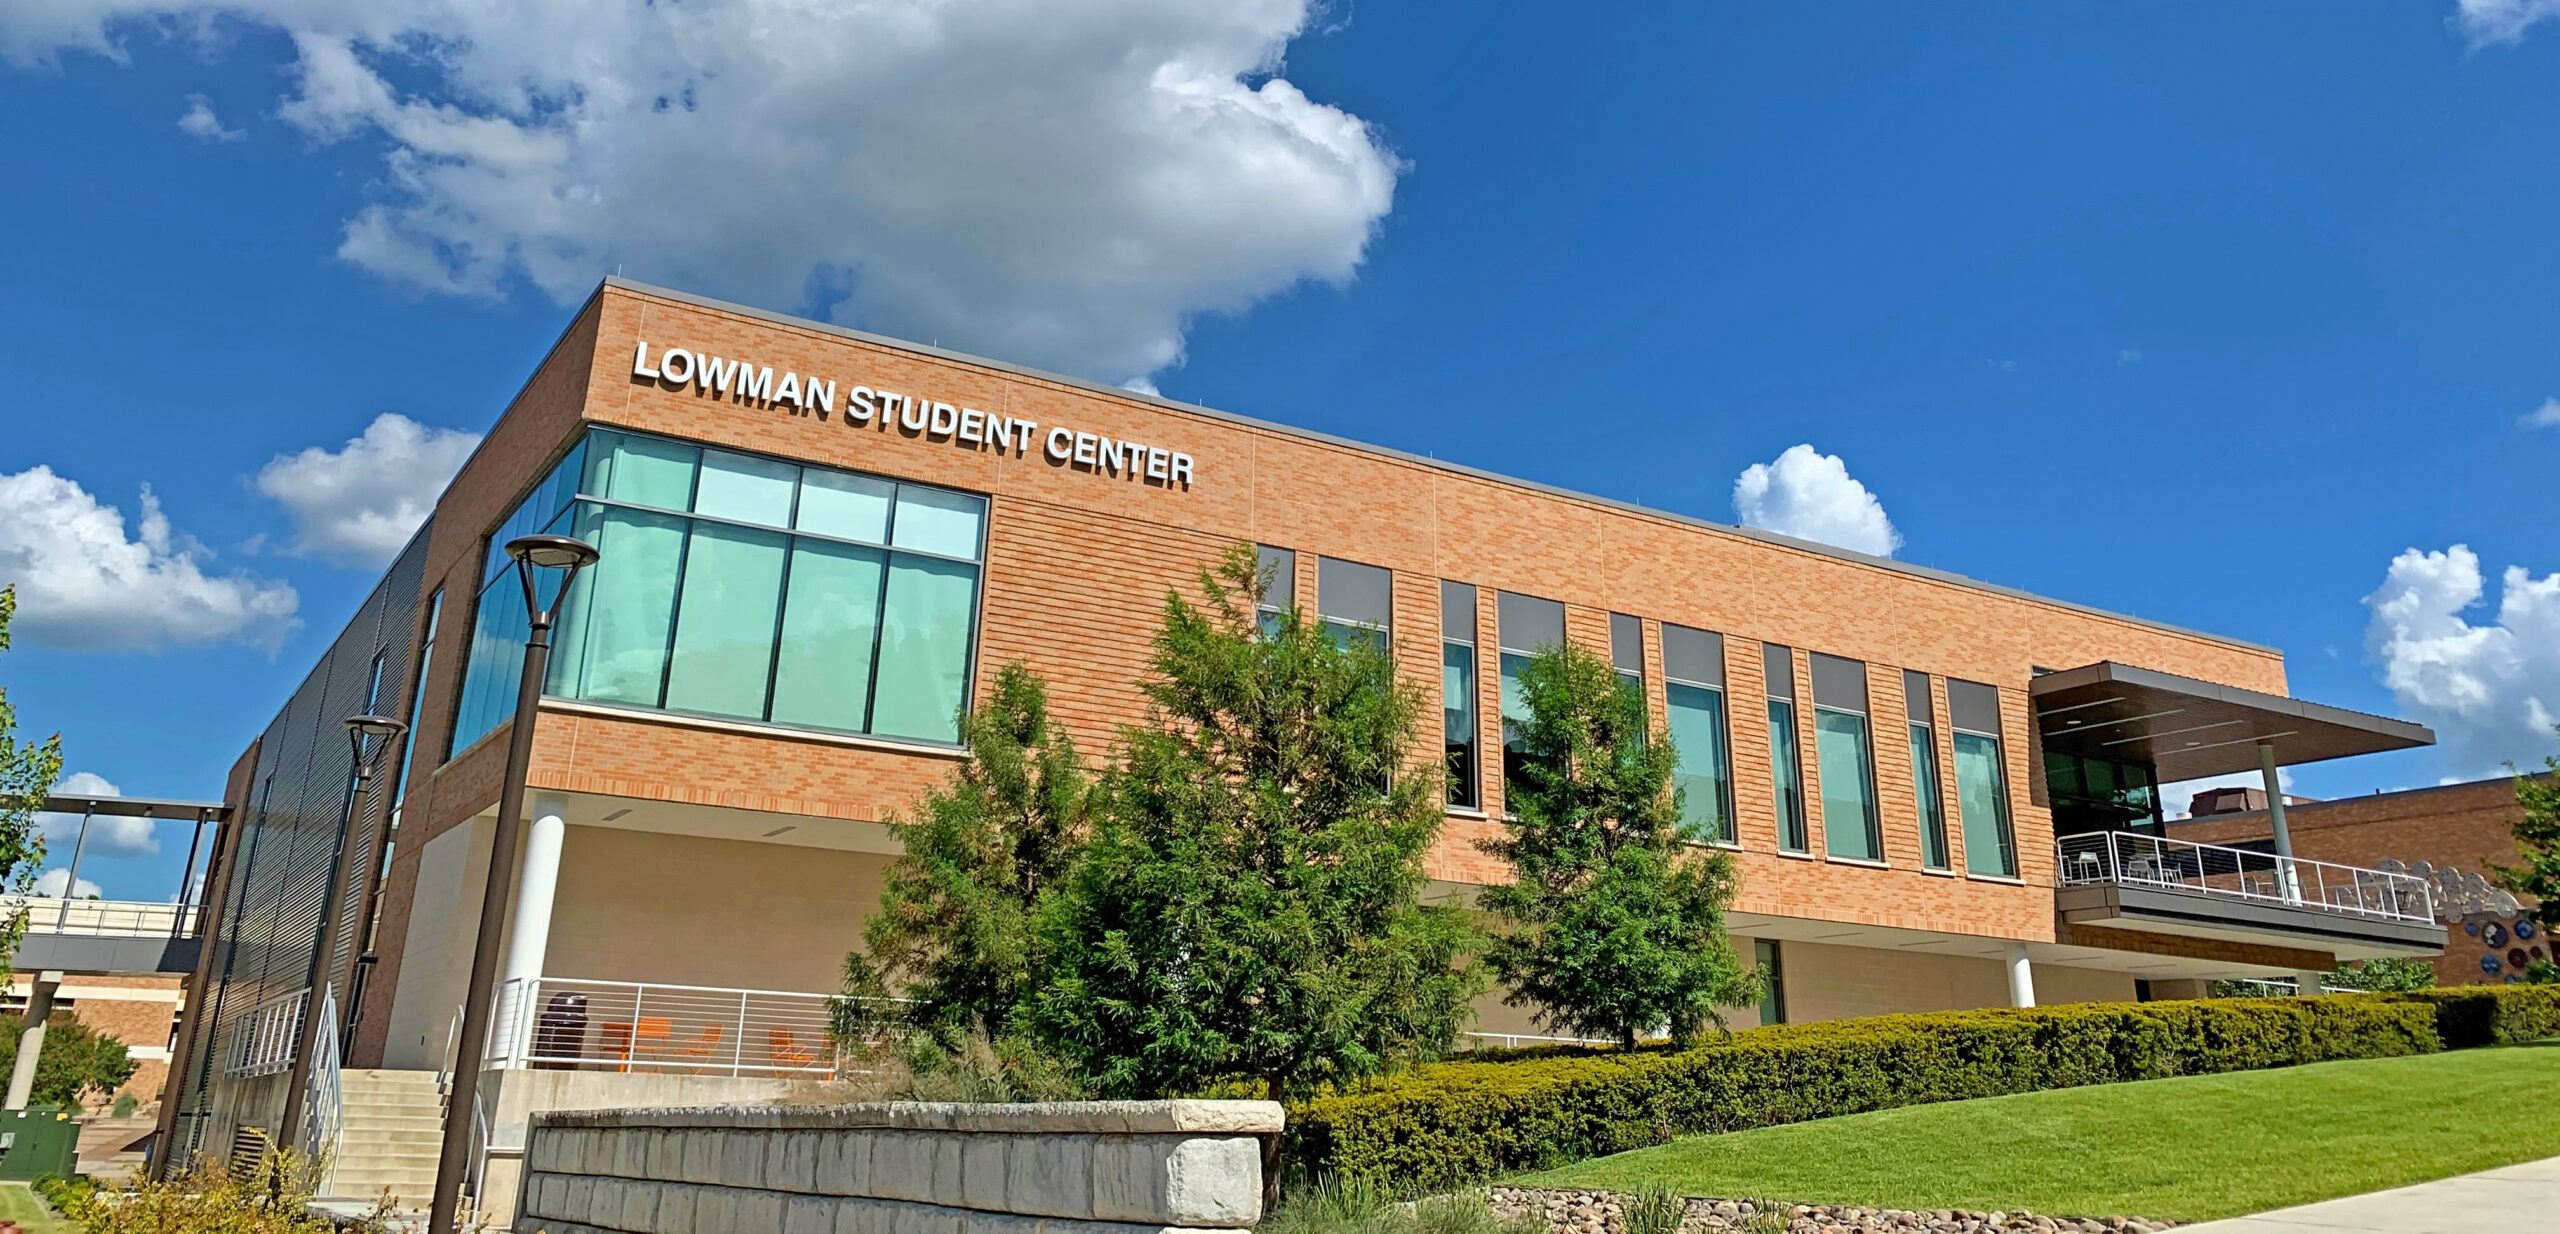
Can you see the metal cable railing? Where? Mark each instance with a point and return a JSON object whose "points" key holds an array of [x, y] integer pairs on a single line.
{"points": [[2135, 860], [568, 1024], [110, 918]]}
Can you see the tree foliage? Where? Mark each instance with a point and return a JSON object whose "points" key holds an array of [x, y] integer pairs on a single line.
{"points": [[1614, 923], [28, 770], [76, 1061], [2538, 833], [1248, 910], [954, 930]]}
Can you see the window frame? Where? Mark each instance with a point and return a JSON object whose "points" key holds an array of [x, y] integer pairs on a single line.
{"points": [[1795, 825], [1870, 808], [2005, 833], [1466, 789], [1730, 833], [1928, 789]]}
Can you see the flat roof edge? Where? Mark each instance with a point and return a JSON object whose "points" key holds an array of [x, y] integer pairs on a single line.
{"points": [[1438, 464]]}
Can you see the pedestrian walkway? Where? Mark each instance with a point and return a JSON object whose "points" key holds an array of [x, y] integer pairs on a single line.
{"points": [[2514, 1198]]}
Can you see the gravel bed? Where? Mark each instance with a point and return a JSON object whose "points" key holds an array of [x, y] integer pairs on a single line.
{"points": [[1604, 1212]]}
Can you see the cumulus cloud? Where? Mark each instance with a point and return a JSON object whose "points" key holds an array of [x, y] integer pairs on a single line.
{"points": [[2501, 21], [2492, 692], [356, 505], [110, 835], [84, 582], [50, 883], [1056, 183], [200, 123], [1811, 496], [2545, 416]]}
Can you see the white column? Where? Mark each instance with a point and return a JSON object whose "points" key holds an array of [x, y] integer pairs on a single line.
{"points": [[529, 935], [22, 1078], [2288, 881], [2022, 977], [2307, 982]]}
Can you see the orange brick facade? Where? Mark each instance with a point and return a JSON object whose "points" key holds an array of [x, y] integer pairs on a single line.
{"points": [[1078, 564]]}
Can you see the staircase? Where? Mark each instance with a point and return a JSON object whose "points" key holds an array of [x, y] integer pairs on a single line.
{"points": [[394, 1125]]}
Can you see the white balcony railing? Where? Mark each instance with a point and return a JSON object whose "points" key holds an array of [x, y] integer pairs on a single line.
{"points": [[105, 918], [262, 1042], [2134, 860], [560, 1023]]}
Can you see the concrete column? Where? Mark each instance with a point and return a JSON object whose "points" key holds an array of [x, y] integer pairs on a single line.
{"points": [[2307, 982], [2288, 880], [2022, 977], [529, 933], [22, 1078]]}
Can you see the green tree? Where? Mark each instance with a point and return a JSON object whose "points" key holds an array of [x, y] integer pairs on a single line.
{"points": [[1613, 924], [27, 772], [1248, 911], [76, 1060], [954, 930], [2538, 833]]}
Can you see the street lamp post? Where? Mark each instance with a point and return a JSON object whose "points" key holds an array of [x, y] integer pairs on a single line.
{"points": [[368, 736], [461, 1113]]}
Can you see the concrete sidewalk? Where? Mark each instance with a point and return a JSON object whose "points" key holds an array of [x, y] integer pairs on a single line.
{"points": [[2516, 1197]]}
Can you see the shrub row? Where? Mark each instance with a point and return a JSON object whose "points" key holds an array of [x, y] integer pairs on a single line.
{"points": [[2478, 1015], [1450, 1124]]}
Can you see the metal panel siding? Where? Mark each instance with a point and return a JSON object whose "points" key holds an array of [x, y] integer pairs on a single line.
{"points": [[290, 846]]}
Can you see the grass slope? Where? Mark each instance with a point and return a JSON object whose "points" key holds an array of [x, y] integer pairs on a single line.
{"points": [[18, 1203], [2191, 1149]]}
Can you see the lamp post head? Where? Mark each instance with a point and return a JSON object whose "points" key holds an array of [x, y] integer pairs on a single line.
{"points": [[361, 727], [547, 552]]}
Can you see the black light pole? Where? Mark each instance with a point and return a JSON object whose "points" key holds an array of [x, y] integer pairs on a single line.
{"points": [[360, 729], [461, 1112]]}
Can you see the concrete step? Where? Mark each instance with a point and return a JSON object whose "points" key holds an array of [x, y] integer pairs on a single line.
{"points": [[389, 1123], [352, 1142]]}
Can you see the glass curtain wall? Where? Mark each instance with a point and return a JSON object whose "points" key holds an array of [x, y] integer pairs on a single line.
{"points": [[1845, 759], [1355, 601], [1924, 769], [1786, 763], [1982, 790], [1693, 693], [747, 588], [2100, 794], [1279, 570], [1525, 625], [1458, 692]]}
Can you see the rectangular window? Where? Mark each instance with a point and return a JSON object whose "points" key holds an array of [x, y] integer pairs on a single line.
{"points": [[751, 588], [1626, 651], [1924, 770], [417, 700], [1354, 601], [1693, 690], [1786, 763], [1982, 790], [1526, 625], [1845, 759], [1773, 994], [1279, 570], [1458, 691]]}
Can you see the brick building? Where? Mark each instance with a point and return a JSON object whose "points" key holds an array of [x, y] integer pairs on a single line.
{"points": [[816, 544]]}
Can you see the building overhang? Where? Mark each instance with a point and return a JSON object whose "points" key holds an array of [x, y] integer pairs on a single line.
{"points": [[2188, 729], [105, 955], [137, 807], [2152, 910]]}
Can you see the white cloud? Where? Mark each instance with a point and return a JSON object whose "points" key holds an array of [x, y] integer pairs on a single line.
{"points": [[357, 505], [83, 583], [2502, 21], [1061, 184], [2545, 416], [2492, 692], [200, 123], [110, 835], [1811, 496], [50, 883], [2178, 800]]}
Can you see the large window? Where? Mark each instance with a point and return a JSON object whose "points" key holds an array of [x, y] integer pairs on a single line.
{"points": [[1526, 625], [1354, 601], [2100, 794], [1693, 691], [1846, 759], [1279, 570], [1458, 691], [1924, 769], [1982, 790], [747, 588], [1786, 764]]}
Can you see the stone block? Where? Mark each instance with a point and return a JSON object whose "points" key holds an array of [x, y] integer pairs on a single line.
{"points": [[1048, 1175], [924, 1219], [639, 1206], [758, 1211], [700, 1155], [999, 1223], [902, 1165], [676, 1203], [844, 1163], [862, 1216], [1169, 1180], [580, 1199], [791, 1161], [982, 1173], [666, 1154], [741, 1159], [715, 1208], [808, 1214], [631, 1152]]}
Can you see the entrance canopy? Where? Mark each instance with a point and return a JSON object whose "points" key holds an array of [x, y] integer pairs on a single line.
{"points": [[2187, 729]]}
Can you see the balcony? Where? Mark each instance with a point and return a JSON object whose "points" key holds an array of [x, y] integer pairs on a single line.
{"points": [[105, 936], [2133, 881], [566, 1024]]}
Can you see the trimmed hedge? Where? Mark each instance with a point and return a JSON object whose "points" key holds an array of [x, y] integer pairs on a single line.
{"points": [[1450, 1124], [2478, 1015]]}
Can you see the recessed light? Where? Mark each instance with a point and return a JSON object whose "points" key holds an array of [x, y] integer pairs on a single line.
{"points": [[783, 828], [617, 814], [2075, 721]]}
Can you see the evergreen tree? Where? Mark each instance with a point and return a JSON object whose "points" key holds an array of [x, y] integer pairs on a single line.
{"points": [[1247, 913], [2538, 833], [954, 930], [1613, 924], [27, 772]]}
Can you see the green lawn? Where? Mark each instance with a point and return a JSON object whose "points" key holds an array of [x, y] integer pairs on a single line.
{"points": [[2191, 1149], [18, 1203]]}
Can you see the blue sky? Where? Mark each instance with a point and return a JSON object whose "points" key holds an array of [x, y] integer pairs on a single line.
{"points": [[2204, 312]]}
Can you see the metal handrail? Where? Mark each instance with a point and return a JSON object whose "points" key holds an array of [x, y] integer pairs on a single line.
{"points": [[113, 918], [325, 1126], [262, 1042], [648, 1026], [2133, 859]]}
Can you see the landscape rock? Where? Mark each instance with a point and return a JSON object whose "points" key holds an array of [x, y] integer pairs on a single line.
{"points": [[1604, 1212]]}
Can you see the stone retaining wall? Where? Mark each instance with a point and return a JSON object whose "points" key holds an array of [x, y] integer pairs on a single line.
{"points": [[1104, 1167]]}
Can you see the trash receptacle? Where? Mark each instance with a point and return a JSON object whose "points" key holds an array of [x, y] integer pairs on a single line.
{"points": [[560, 1036]]}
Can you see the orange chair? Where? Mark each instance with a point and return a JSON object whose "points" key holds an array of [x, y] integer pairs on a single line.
{"points": [[617, 1044], [787, 1051], [654, 1035], [704, 1046]]}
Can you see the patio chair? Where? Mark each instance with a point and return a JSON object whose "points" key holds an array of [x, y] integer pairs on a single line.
{"points": [[705, 1046], [653, 1035], [786, 1050]]}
